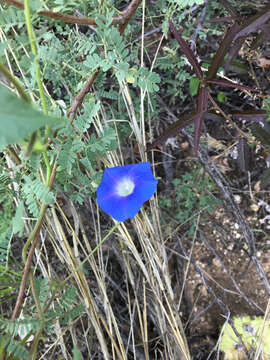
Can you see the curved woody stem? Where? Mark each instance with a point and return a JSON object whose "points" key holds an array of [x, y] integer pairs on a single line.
{"points": [[123, 19]]}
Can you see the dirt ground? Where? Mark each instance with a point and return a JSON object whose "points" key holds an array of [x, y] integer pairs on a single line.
{"points": [[223, 260], [221, 279]]}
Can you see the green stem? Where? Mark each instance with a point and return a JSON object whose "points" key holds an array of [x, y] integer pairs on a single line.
{"points": [[18, 85], [48, 167], [91, 253], [30, 30], [32, 40]]}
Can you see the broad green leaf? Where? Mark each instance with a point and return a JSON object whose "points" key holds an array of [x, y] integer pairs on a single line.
{"points": [[222, 97], [193, 85], [19, 119], [253, 330]]}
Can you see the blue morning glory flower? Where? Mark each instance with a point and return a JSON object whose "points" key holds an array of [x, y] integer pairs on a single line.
{"points": [[124, 189]]}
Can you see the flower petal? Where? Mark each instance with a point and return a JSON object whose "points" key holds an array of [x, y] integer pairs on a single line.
{"points": [[125, 207], [145, 190], [114, 206], [122, 209]]}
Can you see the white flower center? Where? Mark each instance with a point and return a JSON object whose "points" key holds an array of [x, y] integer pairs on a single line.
{"points": [[125, 187]]}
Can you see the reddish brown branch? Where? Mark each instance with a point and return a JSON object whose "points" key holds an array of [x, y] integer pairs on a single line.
{"points": [[121, 20], [27, 265], [79, 97], [127, 14], [25, 276]]}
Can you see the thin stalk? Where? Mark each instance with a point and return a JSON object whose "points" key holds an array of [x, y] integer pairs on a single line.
{"points": [[91, 253], [34, 231], [48, 166], [38, 334], [32, 39], [18, 85]]}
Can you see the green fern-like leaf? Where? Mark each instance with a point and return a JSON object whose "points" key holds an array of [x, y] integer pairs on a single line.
{"points": [[67, 309], [77, 197], [9, 281], [66, 5], [42, 288], [34, 190], [72, 314], [31, 203], [68, 303], [91, 109], [112, 95], [148, 80], [34, 162], [20, 326], [69, 297], [99, 146], [184, 3], [16, 349], [67, 157], [93, 62], [42, 193], [5, 188], [88, 165], [6, 213], [11, 17], [5, 245]]}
